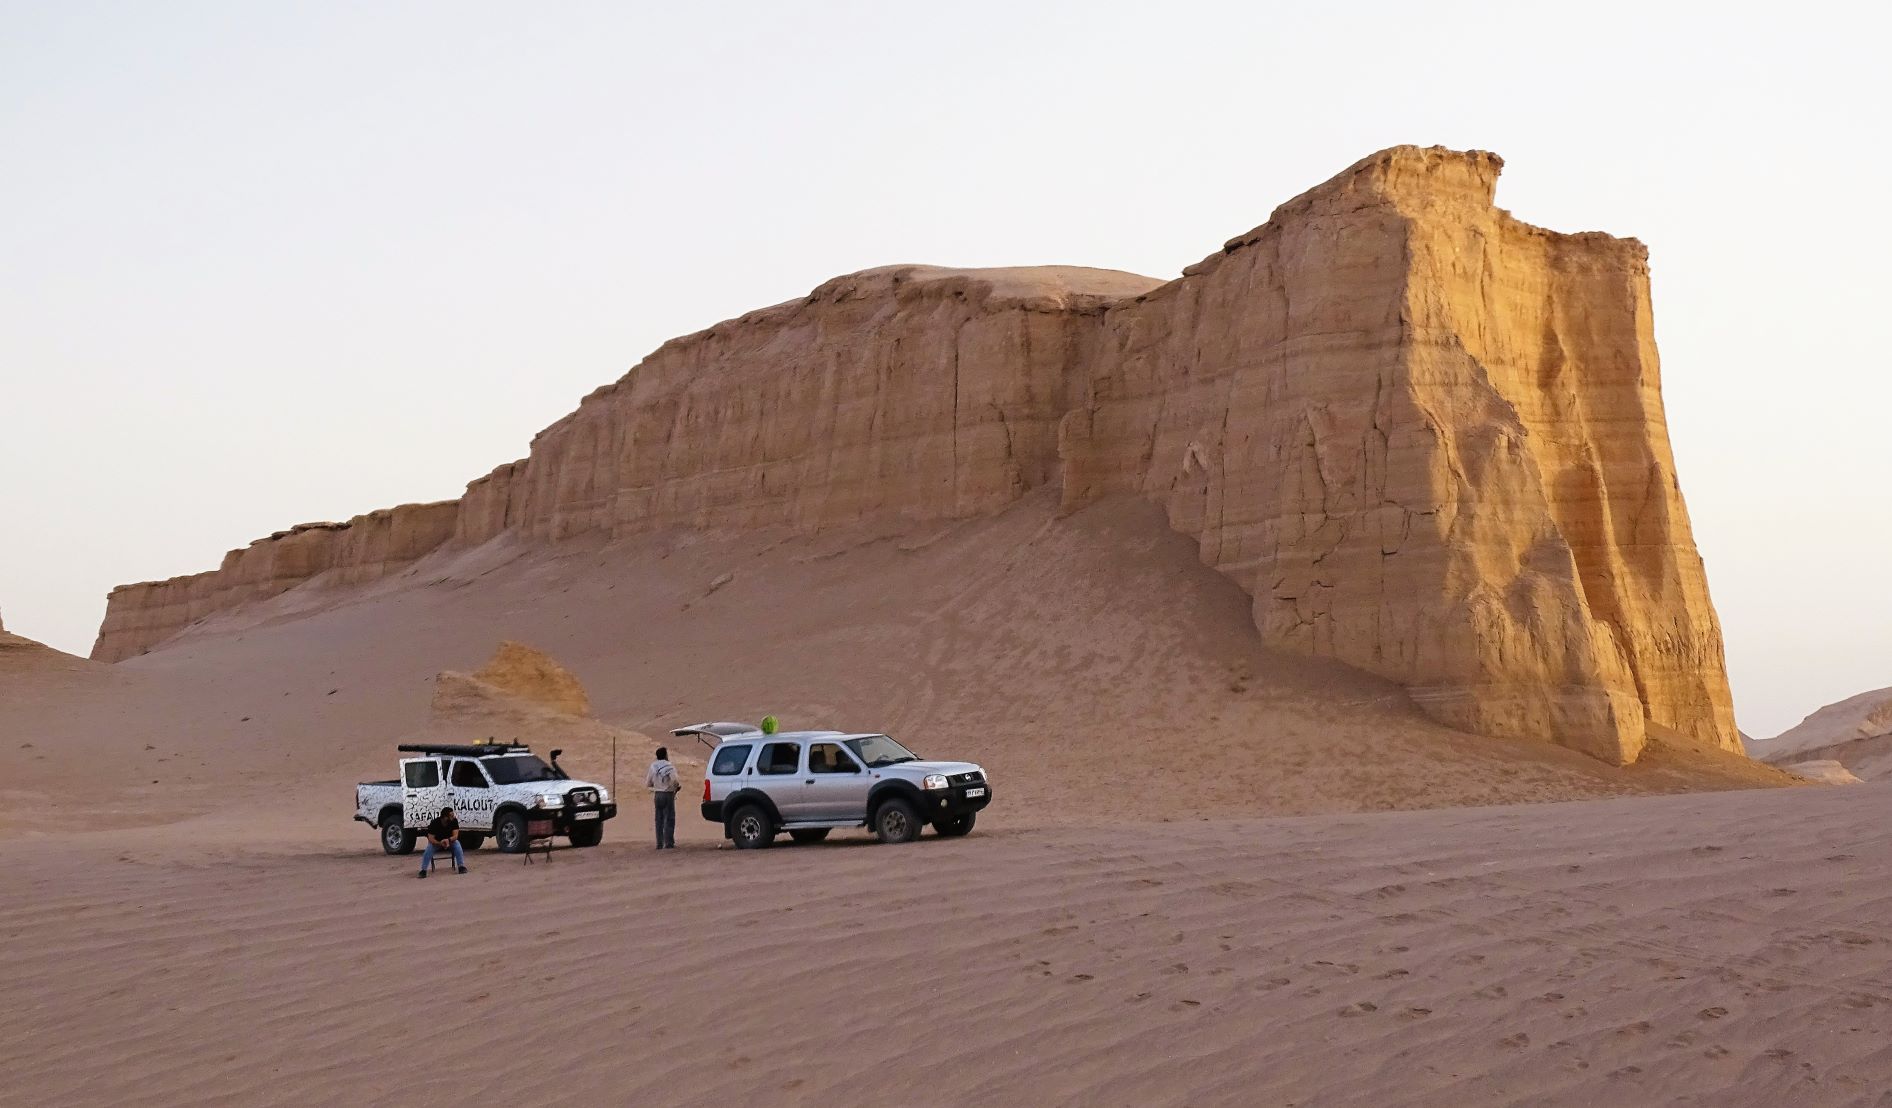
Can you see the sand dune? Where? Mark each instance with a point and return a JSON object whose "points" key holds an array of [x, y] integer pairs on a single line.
{"points": [[1091, 662], [1856, 732], [1716, 949]]}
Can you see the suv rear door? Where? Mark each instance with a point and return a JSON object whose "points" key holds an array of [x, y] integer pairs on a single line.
{"points": [[423, 790], [778, 768]]}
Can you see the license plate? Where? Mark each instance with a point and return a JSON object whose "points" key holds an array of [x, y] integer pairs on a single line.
{"points": [[975, 792], [586, 815]]}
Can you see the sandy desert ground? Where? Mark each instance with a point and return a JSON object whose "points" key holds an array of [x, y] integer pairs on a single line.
{"points": [[1214, 874], [1711, 949]]}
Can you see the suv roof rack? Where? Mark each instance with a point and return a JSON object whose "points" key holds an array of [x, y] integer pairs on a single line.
{"points": [[465, 750]]}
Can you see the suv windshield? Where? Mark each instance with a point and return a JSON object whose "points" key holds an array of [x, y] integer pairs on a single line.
{"points": [[879, 750], [518, 767]]}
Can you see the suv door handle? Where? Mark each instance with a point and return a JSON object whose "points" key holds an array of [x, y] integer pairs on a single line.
{"points": [[810, 781]]}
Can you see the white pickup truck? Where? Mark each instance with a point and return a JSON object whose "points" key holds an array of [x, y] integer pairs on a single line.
{"points": [[504, 791]]}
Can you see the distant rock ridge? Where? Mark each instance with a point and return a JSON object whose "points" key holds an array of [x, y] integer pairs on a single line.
{"points": [[1427, 438]]}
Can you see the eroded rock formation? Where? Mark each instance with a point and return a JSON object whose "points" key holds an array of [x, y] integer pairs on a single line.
{"points": [[1427, 438]]}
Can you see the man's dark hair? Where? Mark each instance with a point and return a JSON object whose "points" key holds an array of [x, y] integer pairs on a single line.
{"points": [[663, 753], [446, 809]]}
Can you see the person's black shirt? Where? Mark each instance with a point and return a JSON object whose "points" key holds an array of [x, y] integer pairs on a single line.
{"points": [[442, 827]]}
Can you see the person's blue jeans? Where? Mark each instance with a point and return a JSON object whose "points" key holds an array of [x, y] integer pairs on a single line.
{"points": [[427, 856]]}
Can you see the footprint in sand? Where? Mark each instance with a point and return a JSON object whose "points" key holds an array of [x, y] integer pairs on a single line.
{"points": [[1515, 1042], [1493, 992], [1415, 1013], [1638, 1028], [1714, 1013], [1179, 967], [1364, 1007]]}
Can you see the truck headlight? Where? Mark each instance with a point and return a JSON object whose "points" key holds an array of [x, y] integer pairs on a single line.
{"points": [[604, 796], [935, 781], [551, 800]]}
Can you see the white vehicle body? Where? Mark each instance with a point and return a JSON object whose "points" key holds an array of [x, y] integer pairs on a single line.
{"points": [[505, 791]]}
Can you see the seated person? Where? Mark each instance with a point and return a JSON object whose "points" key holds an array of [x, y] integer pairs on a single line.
{"points": [[443, 832]]}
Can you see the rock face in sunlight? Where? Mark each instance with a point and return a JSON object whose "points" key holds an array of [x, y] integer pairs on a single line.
{"points": [[1426, 438]]}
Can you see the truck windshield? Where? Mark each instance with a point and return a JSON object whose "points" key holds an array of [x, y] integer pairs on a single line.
{"points": [[515, 768], [879, 750]]}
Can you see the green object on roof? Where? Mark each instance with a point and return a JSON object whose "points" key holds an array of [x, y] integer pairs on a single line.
{"points": [[770, 726]]}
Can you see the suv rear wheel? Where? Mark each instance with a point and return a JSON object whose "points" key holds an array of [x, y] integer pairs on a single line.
{"points": [[396, 839], [953, 828], [750, 828], [897, 822]]}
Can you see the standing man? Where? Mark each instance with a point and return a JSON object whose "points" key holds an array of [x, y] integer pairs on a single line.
{"points": [[663, 784], [443, 833]]}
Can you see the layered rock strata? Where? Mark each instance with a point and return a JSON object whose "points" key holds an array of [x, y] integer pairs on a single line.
{"points": [[1427, 439], [365, 548]]}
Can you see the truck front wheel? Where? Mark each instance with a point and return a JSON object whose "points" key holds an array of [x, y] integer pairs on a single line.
{"points": [[396, 839], [897, 822], [953, 828], [509, 833]]}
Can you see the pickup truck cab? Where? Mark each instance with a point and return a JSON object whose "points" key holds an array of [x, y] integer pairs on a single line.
{"points": [[497, 790], [809, 782]]}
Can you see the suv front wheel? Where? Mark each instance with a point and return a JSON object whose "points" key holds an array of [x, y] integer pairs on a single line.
{"points": [[897, 822], [750, 828]]}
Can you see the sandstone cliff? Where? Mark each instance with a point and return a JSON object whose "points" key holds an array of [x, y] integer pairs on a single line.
{"points": [[1426, 438]]}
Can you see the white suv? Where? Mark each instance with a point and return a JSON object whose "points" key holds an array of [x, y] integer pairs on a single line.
{"points": [[809, 782]]}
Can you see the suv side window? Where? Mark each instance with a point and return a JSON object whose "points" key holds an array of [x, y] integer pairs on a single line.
{"points": [[467, 775], [779, 758], [730, 759], [830, 758], [423, 775]]}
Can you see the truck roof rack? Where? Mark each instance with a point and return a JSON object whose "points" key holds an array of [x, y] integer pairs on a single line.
{"points": [[465, 750]]}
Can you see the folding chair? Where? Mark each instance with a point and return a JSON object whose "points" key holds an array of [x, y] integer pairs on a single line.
{"points": [[539, 834]]}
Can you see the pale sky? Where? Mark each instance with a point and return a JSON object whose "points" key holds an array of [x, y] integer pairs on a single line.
{"points": [[266, 263]]}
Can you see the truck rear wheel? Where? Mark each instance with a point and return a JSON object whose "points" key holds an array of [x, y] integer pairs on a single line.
{"points": [[509, 833], [587, 834], [897, 822], [396, 839], [750, 828]]}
